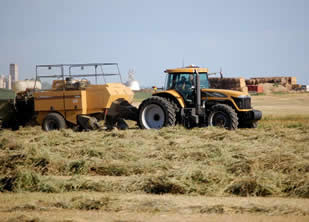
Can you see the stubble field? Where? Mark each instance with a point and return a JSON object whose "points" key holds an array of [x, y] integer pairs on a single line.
{"points": [[172, 174]]}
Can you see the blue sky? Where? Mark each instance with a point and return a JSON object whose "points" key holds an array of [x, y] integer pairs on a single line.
{"points": [[246, 38]]}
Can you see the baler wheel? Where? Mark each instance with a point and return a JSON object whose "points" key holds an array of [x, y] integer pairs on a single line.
{"points": [[53, 121]]}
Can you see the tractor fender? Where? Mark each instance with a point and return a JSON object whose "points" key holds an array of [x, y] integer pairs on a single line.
{"points": [[172, 95]]}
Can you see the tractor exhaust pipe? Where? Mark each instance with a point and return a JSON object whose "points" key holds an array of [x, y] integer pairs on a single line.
{"points": [[198, 93]]}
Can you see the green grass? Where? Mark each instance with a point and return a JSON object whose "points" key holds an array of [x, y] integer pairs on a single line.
{"points": [[257, 94], [280, 93], [141, 95], [6, 94]]}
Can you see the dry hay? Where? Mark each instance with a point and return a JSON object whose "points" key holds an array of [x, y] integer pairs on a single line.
{"points": [[275, 80], [238, 84], [274, 84], [296, 86], [251, 82], [249, 187], [162, 185], [95, 203], [292, 80], [24, 218], [271, 88], [242, 89], [204, 161]]}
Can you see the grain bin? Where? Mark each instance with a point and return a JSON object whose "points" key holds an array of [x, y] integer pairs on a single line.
{"points": [[23, 85]]}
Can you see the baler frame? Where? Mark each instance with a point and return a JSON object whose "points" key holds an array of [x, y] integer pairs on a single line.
{"points": [[69, 74]]}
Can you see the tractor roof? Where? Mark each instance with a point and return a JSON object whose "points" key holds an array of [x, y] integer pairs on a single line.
{"points": [[189, 69]]}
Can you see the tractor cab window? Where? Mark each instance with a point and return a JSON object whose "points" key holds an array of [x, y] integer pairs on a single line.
{"points": [[183, 83], [204, 81], [180, 81]]}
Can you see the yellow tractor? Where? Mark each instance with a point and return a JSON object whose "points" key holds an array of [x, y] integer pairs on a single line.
{"points": [[189, 100], [73, 101]]}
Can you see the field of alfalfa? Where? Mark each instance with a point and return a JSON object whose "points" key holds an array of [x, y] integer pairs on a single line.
{"points": [[172, 174]]}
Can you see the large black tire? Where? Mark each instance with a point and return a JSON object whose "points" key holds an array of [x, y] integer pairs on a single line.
{"points": [[176, 108], [53, 121], [223, 116], [156, 112], [252, 124]]}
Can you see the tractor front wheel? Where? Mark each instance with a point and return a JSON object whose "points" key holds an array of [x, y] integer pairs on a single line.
{"points": [[53, 121], [223, 116], [252, 124], [155, 113]]}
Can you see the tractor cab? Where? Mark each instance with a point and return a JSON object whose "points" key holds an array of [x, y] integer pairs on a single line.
{"points": [[183, 80]]}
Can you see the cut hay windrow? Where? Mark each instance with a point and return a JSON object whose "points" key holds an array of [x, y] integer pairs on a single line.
{"points": [[269, 161]]}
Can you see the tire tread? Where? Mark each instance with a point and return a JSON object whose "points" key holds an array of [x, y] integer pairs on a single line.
{"points": [[56, 116], [167, 107], [230, 111]]}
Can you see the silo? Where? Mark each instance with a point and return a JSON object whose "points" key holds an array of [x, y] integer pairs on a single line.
{"points": [[13, 73], [2, 85], [132, 83], [9, 82]]}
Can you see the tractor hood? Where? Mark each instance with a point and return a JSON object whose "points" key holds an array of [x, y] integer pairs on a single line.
{"points": [[226, 92]]}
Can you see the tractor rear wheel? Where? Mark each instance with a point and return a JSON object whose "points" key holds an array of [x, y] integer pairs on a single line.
{"points": [[155, 113], [53, 121], [223, 116]]}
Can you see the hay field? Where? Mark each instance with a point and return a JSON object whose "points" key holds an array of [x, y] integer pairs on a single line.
{"points": [[171, 174], [283, 105]]}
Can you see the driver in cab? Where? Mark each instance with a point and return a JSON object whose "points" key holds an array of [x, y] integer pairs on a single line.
{"points": [[181, 85], [185, 85]]}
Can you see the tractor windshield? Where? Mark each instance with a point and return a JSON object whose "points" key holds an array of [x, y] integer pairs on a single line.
{"points": [[182, 81]]}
